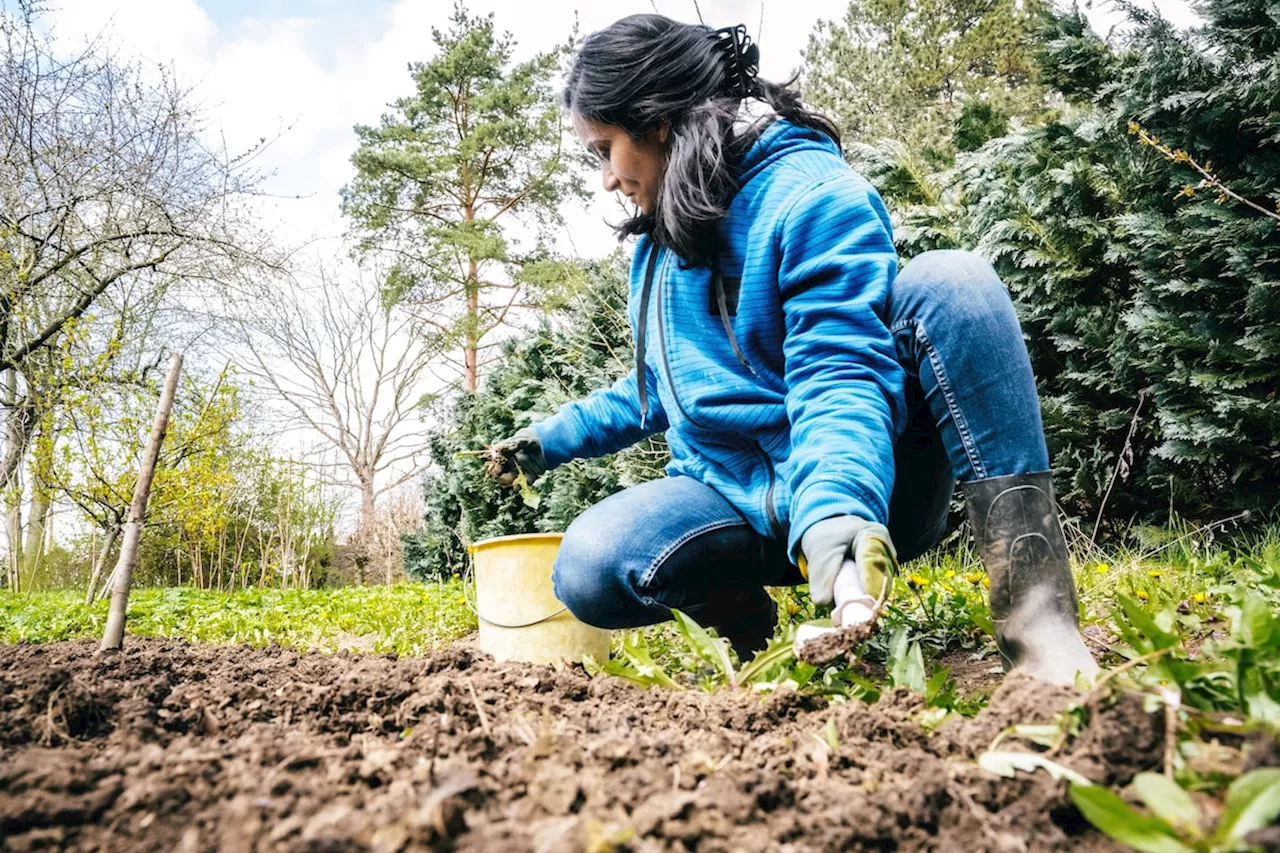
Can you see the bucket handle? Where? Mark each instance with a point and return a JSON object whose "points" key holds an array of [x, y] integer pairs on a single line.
{"points": [[471, 605], [525, 625]]}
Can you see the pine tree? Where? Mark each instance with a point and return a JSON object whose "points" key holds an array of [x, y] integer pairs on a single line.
{"points": [[931, 75], [479, 143]]}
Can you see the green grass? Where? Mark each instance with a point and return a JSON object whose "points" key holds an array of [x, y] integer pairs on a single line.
{"points": [[409, 618]]}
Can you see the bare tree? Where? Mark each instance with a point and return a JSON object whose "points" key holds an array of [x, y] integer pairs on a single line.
{"points": [[350, 368], [108, 184], [398, 513]]}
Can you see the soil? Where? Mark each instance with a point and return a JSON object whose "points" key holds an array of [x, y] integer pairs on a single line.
{"points": [[169, 746]]}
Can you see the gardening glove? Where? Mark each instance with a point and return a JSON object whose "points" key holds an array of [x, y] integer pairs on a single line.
{"points": [[848, 561], [522, 452]]}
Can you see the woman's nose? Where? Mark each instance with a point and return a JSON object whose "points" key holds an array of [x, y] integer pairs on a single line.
{"points": [[611, 182]]}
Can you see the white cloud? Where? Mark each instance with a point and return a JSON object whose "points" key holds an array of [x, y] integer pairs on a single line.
{"points": [[177, 31]]}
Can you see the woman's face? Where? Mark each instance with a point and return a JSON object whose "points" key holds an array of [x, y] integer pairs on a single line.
{"points": [[630, 166]]}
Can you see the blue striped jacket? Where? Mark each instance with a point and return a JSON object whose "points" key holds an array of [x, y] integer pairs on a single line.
{"points": [[776, 381]]}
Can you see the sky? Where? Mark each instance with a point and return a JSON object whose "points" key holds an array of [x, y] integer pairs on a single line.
{"points": [[304, 72]]}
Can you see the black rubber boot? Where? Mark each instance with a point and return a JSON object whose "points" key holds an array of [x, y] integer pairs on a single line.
{"points": [[1033, 595], [746, 615]]}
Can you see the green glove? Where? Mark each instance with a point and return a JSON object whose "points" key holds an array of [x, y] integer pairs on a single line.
{"points": [[827, 544], [522, 452]]}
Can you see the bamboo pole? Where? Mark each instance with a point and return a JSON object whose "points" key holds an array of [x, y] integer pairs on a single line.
{"points": [[122, 577]]}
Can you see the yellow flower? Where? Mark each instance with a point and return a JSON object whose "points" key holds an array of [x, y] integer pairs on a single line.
{"points": [[975, 577], [950, 574], [1102, 568], [986, 581], [1142, 595], [918, 581], [1199, 598], [1154, 573]]}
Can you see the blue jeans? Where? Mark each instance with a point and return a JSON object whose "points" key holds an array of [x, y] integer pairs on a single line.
{"points": [[972, 413]]}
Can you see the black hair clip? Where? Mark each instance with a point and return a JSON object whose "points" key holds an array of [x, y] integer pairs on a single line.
{"points": [[742, 58]]}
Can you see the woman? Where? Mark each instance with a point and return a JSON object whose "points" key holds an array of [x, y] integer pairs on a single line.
{"points": [[819, 406]]}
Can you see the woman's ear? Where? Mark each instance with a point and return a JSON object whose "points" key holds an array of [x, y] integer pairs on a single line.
{"points": [[664, 132]]}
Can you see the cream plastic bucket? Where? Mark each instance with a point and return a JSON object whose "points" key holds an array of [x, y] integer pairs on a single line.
{"points": [[520, 617]]}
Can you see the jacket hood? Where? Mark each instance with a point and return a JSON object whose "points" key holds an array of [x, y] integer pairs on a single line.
{"points": [[779, 139]]}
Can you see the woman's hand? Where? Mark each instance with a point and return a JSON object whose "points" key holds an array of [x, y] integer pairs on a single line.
{"points": [[521, 453], [846, 559]]}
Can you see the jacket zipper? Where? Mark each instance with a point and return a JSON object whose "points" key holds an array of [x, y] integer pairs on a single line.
{"points": [[774, 524]]}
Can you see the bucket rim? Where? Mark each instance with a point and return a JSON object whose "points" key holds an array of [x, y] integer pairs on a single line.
{"points": [[518, 537]]}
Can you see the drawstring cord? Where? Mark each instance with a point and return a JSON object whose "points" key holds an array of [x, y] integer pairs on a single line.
{"points": [[722, 305], [642, 377]]}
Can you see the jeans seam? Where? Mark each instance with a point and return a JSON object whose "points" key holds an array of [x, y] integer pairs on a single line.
{"points": [[957, 415], [647, 578]]}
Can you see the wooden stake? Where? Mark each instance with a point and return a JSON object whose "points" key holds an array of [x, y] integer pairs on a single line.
{"points": [[122, 577]]}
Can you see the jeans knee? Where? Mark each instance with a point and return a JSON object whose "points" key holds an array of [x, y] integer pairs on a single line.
{"points": [[950, 280], [584, 576]]}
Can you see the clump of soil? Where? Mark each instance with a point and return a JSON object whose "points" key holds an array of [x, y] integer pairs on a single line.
{"points": [[170, 746]]}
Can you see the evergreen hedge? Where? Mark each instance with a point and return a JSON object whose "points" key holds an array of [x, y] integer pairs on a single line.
{"points": [[1150, 295]]}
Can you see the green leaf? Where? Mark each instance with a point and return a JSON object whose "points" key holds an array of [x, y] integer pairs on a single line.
{"points": [[936, 693], [1007, 764], [906, 661], [713, 650], [780, 651], [527, 493], [1169, 802], [1156, 637], [1256, 689], [647, 671], [830, 735], [1255, 626], [1253, 801], [1046, 734], [1112, 815]]}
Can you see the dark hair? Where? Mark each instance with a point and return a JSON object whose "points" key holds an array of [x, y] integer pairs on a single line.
{"points": [[645, 71]]}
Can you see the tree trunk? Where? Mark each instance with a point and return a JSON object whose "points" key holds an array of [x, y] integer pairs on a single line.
{"points": [[113, 636], [33, 549], [41, 473], [471, 349], [368, 505], [17, 435], [13, 528], [113, 533]]}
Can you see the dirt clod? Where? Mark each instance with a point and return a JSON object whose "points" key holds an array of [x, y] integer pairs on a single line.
{"points": [[172, 746]]}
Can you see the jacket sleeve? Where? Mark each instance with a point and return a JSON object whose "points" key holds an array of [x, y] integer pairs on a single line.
{"points": [[604, 422], [844, 384]]}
